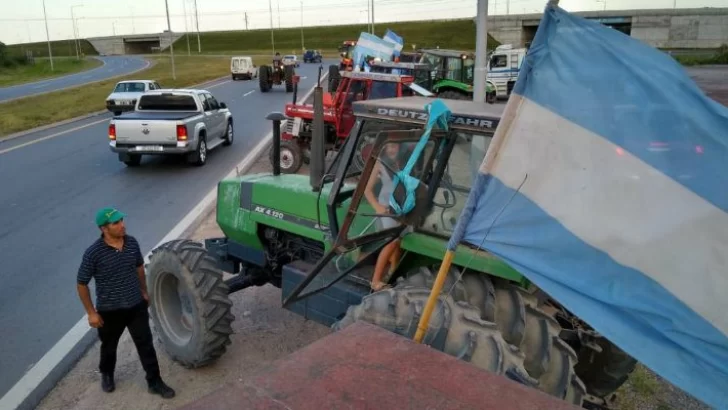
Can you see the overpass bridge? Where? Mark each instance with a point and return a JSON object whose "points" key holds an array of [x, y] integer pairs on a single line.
{"points": [[134, 43], [694, 28]]}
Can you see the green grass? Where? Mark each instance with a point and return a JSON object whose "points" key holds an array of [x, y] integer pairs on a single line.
{"points": [[60, 48], [36, 111], [42, 70], [719, 57], [453, 34]]}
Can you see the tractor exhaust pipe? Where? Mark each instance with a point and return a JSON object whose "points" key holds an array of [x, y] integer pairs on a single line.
{"points": [[277, 118], [316, 171], [296, 79]]}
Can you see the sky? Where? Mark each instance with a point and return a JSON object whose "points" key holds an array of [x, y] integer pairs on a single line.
{"points": [[22, 21]]}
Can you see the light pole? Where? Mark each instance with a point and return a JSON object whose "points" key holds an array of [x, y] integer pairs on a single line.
{"points": [[187, 31], [303, 48], [75, 30], [197, 23], [481, 42], [48, 36], [171, 45], [272, 38]]}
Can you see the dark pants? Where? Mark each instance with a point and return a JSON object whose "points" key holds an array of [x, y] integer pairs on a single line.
{"points": [[135, 319]]}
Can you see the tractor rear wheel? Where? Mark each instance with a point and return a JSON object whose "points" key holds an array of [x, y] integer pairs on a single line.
{"points": [[455, 328], [263, 78], [454, 95], [547, 358], [289, 78], [291, 156], [604, 372], [334, 78], [189, 302]]}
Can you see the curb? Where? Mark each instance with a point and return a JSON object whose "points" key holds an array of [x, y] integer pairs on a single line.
{"points": [[42, 378], [19, 134]]}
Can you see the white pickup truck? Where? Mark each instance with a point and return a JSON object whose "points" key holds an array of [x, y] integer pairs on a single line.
{"points": [[171, 122]]}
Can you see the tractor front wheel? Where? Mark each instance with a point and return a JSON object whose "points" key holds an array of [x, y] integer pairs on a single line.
{"points": [[291, 156], [189, 302]]}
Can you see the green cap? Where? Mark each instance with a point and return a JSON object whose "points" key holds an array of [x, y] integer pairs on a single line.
{"points": [[108, 215]]}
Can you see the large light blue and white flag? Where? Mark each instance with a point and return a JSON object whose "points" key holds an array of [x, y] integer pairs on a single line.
{"points": [[395, 39], [606, 184], [371, 45]]}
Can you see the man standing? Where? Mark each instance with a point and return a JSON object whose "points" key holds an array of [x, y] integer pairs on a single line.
{"points": [[116, 263]]}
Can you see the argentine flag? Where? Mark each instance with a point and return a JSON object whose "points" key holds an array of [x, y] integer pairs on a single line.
{"points": [[606, 184]]}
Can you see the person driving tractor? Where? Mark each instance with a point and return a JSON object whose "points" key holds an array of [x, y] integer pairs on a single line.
{"points": [[391, 253]]}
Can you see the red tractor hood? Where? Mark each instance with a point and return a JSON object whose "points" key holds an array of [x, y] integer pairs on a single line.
{"points": [[306, 110]]}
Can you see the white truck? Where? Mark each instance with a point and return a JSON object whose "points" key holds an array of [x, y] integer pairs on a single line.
{"points": [[171, 122], [242, 67], [126, 93], [504, 65]]}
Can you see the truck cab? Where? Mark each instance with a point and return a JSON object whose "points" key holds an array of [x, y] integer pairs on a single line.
{"points": [[504, 65]]}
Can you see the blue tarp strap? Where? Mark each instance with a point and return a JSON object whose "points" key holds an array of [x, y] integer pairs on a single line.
{"points": [[439, 114]]}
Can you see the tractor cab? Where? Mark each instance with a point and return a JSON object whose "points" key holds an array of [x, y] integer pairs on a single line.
{"points": [[345, 50], [453, 74], [419, 71], [338, 113]]}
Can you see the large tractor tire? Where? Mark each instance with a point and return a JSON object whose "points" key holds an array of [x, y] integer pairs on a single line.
{"points": [[334, 78], [289, 78], [264, 78], [189, 302], [547, 358], [455, 328], [291, 156], [454, 95], [604, 372]]}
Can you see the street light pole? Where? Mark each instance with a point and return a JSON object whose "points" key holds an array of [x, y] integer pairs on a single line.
{"points": [[272, 38], [187, 31], [303, 48], [197, 22], [75, 35], [481, 42], [48, 36], [171, 45]]}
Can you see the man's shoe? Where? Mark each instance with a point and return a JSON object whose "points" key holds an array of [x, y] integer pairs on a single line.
{"points": [[107, 382], [158, 387]]}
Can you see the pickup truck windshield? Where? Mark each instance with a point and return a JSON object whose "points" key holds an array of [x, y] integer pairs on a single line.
{"points": [[129, 88], [167, 102]]}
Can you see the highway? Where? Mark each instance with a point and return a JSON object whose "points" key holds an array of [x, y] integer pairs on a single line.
{"points": [[112, 67], [55, 180]]}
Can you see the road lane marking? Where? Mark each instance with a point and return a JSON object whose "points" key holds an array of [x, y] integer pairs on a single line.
{"points": [[248, 93], [31, 380], [47, 137]]}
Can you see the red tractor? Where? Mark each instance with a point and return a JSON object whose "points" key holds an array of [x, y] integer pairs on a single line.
{"points": [[338, 115], [276, 74]]}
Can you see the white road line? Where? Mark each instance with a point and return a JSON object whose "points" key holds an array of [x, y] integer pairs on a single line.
{"points": [[47, 137], [36, 375], [248, 93]]}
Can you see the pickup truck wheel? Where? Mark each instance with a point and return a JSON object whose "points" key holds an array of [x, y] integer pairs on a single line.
{"points": [[131, 160], [229, 134], [199, 157]]}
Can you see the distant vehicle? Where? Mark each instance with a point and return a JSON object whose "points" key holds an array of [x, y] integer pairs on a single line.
{"points": [[290, 59], [125, 94], [172, 122], [312, 56], [242, 67], [504, 65]]}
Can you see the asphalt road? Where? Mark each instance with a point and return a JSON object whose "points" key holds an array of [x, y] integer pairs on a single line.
{"points": [[113, 66], [52, 188]]}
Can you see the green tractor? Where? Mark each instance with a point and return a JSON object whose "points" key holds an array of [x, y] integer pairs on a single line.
{"points": [[453, 73], [317, 238]]}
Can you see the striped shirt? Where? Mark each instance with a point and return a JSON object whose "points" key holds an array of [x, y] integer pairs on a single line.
{"points": [[115, 273]]}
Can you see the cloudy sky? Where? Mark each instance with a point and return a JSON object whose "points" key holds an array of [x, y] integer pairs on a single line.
{"points": [[22, 21]]}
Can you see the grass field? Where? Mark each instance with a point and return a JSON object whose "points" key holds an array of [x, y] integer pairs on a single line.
{"points": [[42, 70], [36, 111], [61, 48], [456, 34]]}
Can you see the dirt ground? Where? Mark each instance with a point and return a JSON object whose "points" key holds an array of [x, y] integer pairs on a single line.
{"points": [[263, 332]]}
